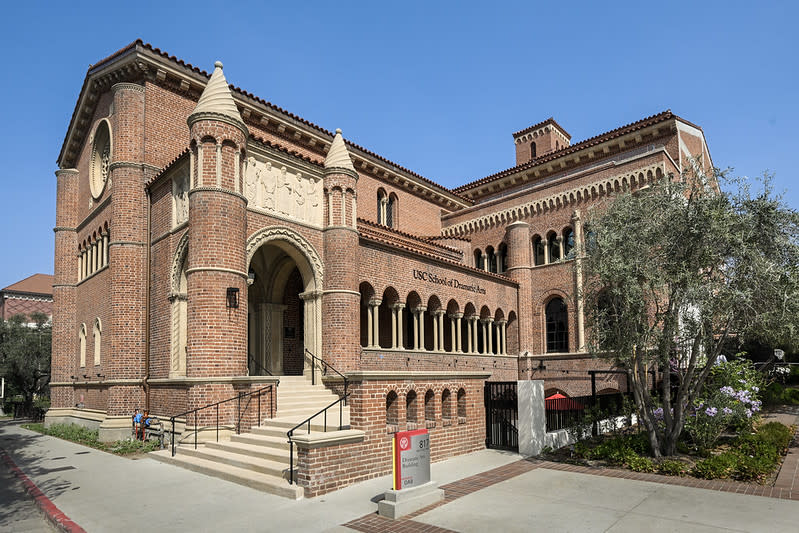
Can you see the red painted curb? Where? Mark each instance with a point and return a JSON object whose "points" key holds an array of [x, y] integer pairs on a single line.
{"points": [[53, 513]]}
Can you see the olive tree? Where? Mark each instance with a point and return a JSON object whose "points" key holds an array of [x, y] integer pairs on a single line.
{"points": [[25, 355], [678, 271]]}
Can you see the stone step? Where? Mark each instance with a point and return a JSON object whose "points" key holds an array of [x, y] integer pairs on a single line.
{"points": [[260, 451], [232, 458], [275, 442], [280, 431], [304, 394], [256, 480], [308, 405]]}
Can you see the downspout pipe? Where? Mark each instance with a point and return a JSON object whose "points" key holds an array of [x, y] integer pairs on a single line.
{"points": [[146, 379]]}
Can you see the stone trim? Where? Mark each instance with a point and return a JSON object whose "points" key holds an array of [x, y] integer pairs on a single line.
{"points": [[132, 164], [219, 189], [216, 269], [130, 243], [103, 382], [220, 117], [341, 291], [341, 170], [124, 86], [376, 375], [553, 201], [323, 439], [59, 285], [346, 228], [266, 380], [63, 228]]}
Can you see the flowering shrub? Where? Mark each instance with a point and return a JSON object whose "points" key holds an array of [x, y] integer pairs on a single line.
{"points": [[730, 399]]}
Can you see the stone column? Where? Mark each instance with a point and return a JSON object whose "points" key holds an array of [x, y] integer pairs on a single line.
{"points": [[400, 327], [490, 329], [375, 310], [393, 326], [422, 310], [459, 333], [369, 329], [441, 330], [417, 316], [486, 266], [578, 278], [560, 245], [474, 320], [545, 242], [435, 330]]}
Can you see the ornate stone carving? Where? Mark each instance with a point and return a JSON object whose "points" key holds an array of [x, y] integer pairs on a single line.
{"points": [[101, 158], [180, 197], [290, 236], [283, 192]]}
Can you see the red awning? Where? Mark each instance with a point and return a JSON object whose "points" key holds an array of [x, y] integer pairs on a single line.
{"points": [[559, 402]]}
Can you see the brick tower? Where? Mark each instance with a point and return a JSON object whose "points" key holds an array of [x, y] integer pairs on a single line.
{"points": [[341, 299], [216, 269], [127, 260]]}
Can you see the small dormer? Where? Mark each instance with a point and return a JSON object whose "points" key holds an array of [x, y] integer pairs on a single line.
{"points": [[540, 139]]}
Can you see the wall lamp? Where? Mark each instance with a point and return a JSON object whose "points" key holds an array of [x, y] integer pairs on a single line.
{"points": [[250, 277], [233, 297]]}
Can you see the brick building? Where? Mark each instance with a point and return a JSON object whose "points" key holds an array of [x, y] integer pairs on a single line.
{"points": [[33, 294], [210, 243]]}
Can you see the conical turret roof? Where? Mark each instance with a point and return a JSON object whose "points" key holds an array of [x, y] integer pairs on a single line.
{"points": [[216, 98], [338, 156]]}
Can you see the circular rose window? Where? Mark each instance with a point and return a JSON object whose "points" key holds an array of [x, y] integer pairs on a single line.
{"points": [[101, 157]]}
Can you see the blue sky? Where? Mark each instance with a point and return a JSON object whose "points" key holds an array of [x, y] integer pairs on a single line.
{"points": [[437, 87]]}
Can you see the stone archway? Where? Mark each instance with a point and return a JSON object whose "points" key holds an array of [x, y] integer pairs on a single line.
{"points": [[284, 302]]}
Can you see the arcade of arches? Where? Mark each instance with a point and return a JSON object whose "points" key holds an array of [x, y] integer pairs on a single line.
{"points": [[389, 321]]}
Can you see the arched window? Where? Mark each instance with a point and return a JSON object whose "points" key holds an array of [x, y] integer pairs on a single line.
{"points": [[97, 333], [590, 238], [392, 409], [430, 406], [554, 247], [557, 326], [568, 243], [391, 211], [411, 414], [491, 258], [382, 203], [532, 150], [502, 258], [539, 251], [478, 259], [82, 338], [446, 404], [462, 405]]}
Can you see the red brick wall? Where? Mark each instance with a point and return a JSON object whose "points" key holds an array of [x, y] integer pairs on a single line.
{"points": [[323, 470]]}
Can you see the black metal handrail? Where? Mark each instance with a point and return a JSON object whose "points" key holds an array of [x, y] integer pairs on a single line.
{"points": [[238, 397], [259, 365], [325, 366], [290, 433]]}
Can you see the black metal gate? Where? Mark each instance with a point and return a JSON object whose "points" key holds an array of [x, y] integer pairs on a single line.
{"points": [[502, 415]]}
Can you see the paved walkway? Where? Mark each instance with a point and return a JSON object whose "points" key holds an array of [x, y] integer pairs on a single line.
{"points": [[485, 491]]}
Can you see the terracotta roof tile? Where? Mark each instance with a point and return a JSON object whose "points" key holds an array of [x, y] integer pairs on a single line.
{"points": [[35, 284], [550, 120], [592, 141]]}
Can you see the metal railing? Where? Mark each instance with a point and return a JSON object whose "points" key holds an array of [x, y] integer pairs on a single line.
{"points": [[259, 365], [238, 398], [325, 366], [290, 433]]}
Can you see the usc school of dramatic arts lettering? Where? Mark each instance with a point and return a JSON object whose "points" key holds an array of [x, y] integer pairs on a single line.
{"points": [[210, 244]]}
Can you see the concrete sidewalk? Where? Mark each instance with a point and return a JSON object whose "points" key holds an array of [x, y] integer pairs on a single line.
{"points": [[486, 491]]}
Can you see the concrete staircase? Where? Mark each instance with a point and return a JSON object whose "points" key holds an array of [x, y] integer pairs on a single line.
{"points": [[260, 459]]}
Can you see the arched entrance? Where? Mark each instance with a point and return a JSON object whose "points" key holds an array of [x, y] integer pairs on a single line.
{"points": [[284, 304]]}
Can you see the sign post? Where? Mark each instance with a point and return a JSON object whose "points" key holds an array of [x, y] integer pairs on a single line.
{"points": [[411, 459], [411, 486]]}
